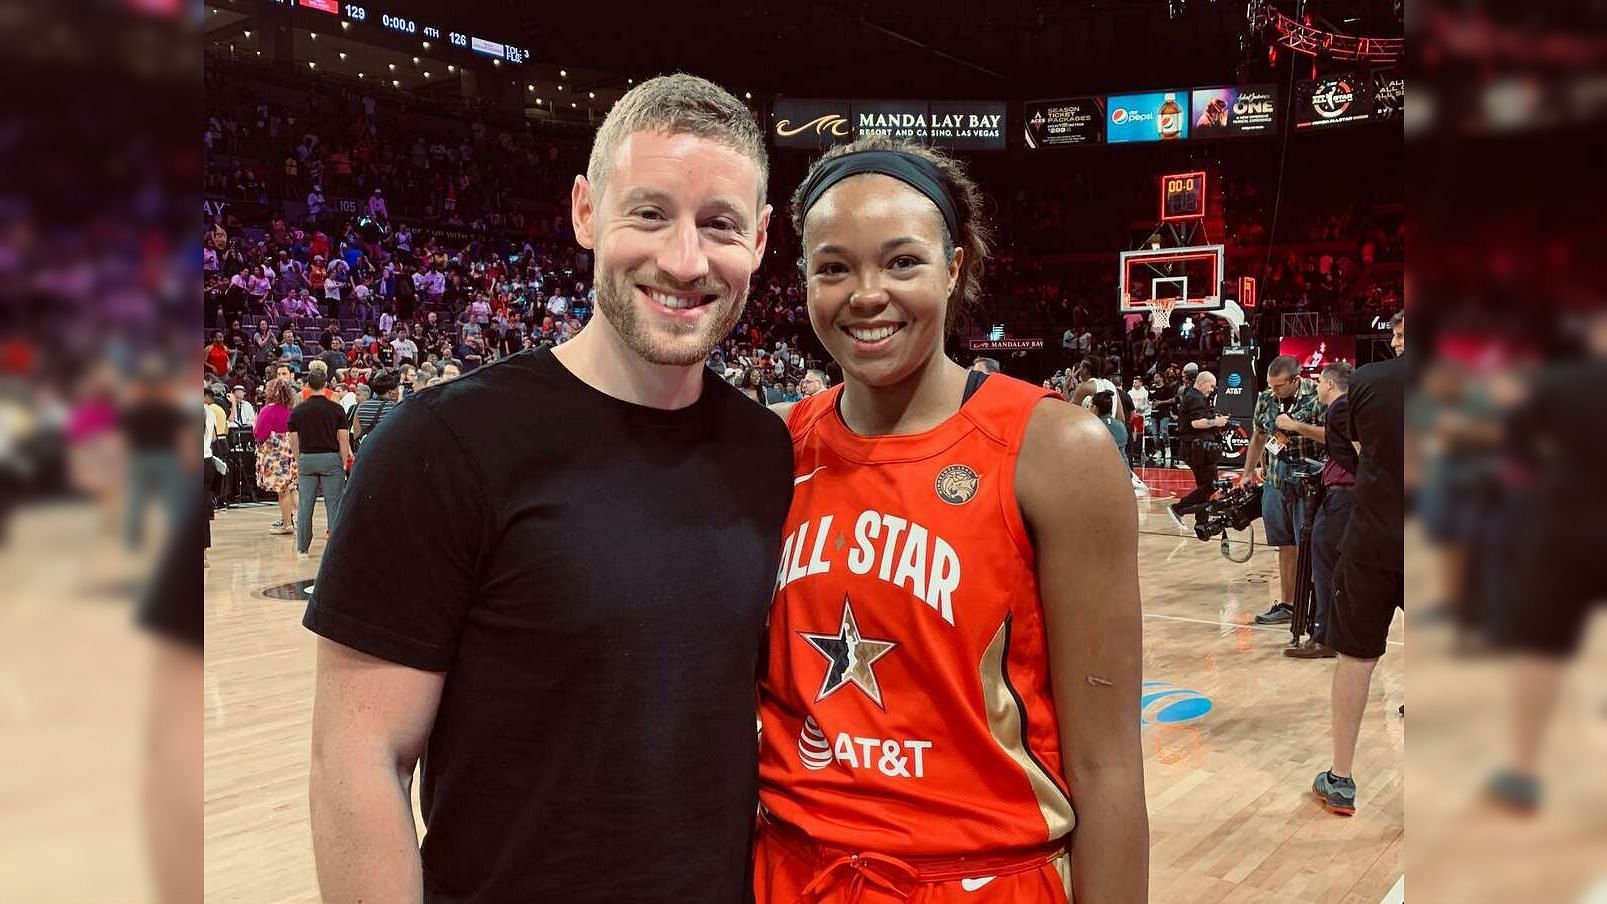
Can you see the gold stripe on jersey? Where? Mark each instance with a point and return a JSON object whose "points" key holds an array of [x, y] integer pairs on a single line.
{"points": [[1005, 723]]}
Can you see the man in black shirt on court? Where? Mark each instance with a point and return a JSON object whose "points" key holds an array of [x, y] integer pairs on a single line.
{"points": [[1197, 426], [322, 446], [562, 610], [1370, 584]]}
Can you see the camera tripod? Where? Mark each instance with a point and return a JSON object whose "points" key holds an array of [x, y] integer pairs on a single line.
{"points": [[1310, 489]]}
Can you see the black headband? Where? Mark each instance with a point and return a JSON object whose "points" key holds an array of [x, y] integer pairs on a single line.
{"points": [[916, 172]]}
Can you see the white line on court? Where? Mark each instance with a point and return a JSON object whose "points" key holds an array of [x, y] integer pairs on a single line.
{"points": [[1397, 895]]}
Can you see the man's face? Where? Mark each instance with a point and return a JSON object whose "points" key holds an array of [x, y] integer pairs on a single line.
{"points": [[1397, 339], [1327, 390], [450, 372], [810, 385], [240, 393], [282, 372], [1284, 386], [677, 239], [1207, 385]]}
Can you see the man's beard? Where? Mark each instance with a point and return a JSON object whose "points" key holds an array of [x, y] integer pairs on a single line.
{"points": [[616, 299]]}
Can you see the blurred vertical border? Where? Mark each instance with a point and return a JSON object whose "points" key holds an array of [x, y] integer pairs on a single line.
{"points": [[100, 173], [1505, 120]]}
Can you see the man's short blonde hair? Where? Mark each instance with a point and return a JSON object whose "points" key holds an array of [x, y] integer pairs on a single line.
{"points": [[319, 365], [678, 104]]}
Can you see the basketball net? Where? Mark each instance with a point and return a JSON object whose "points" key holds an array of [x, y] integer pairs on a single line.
{"points": [[1160, 314]]}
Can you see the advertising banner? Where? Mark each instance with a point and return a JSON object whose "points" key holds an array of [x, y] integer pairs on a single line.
{"points": [[1005, 345], [1235, 110], [819, 124], [1236, 389], [1331, 101], [1155, 116], [1072, 120], [1388, 90]]}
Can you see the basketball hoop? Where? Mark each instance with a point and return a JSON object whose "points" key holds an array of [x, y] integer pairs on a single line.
{"points": [[1160, 314]]}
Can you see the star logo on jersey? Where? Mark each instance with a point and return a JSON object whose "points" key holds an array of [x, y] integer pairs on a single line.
{"points": [[850, 657]]}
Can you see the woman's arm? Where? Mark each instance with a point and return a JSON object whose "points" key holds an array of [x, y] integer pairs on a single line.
{"points": [[1085, 531]]}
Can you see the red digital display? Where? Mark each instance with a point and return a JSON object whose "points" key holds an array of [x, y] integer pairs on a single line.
{"points": [[1183, 197], [324, 6], [1247, 297]]}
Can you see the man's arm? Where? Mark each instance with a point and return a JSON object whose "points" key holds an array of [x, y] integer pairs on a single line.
{"points": [[1310, 431], [1086, 535], [295, 442], [1084, 390], [371, 719], [344, 438], [1252, 454]]}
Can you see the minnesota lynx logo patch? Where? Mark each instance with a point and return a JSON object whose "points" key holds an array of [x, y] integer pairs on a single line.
{"points": [[956, 484]]}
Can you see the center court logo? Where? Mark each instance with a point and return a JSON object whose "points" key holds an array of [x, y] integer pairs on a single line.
{"points": [[956, 484], [1235, 380], [1164, 703]]}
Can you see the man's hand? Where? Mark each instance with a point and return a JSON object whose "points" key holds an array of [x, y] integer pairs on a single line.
{"points": [[1287, 424], [1249, 477], [1220, 420]]}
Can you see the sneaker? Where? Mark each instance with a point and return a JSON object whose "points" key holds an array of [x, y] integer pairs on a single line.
{"points": [[1338, 794], [277, 524], [303, 555], [1514, 791], [1310, 650], [1279, 614], [1176, 518], [281, 529]]}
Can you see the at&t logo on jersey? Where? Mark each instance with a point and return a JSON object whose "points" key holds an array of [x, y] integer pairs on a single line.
{"points": [[890, 757]]}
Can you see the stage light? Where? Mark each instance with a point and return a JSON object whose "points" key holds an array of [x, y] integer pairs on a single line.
{"points": [[563, 73], [345, 26], [592, 94], [538, 101], [343, 54], [395, 83], [426, 45], [415, 61], [314, 35], [426, 73], [530, 87], [451, 68], [571, 105], [748, 95], [248, 33], [630, 81], [259, 53], [311, 65], [393, 67], [362, 75], [496, 62]]}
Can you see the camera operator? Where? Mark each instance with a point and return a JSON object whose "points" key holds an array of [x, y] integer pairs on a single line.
{"points": [[1197, 426], [1338, 480], [1282, 507], [1370, 583]]}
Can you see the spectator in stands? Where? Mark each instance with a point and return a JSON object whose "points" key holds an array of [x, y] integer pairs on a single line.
{"points": [[985, 365], [241, 412], [403, 347], [316, 204], [290, 350], [335, 356], [386, 392], [814, 381], [217, 355]]}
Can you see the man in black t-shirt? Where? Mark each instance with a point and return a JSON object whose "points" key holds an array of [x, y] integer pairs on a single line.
{"points": [[1370, 584], [563, 609], [321, 444], [1197, 426], [1338, 499]]}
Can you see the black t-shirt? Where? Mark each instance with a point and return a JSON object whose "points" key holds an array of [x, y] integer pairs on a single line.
{"points": [[1192, 406], [316, 421], [1336, 421], [1377, 420], [594, 579]]}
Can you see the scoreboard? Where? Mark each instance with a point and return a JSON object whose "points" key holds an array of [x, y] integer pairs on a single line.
{"points": [[357, 14], [1183, 197]]}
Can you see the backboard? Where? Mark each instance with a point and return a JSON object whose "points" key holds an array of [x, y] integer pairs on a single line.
{"points": [[1190, 276]]}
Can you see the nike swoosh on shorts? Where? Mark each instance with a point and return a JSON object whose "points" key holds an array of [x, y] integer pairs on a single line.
{"points": [[974, 884]]}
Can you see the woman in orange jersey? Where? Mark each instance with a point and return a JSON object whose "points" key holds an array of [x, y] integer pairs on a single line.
{"points": [[950, 703]]}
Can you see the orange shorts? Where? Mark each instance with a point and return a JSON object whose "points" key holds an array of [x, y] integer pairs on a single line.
{"points": [[788, 868]]}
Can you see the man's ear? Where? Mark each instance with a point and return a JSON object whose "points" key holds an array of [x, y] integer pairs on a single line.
{"points": [[583, 213]]}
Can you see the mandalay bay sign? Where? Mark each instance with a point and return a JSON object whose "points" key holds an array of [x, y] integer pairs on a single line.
{"points": [[818, 124]]}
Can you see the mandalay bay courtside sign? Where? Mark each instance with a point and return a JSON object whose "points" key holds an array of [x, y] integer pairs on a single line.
{"points": [[817, 124]]}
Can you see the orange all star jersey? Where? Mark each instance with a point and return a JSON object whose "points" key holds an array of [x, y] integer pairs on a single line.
{"points": [[906, 705]]}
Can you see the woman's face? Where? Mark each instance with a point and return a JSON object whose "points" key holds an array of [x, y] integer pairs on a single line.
{"points": [[878, 283]]}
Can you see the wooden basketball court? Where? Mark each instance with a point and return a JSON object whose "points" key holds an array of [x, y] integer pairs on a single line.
{"points": [[1236, 731]]}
